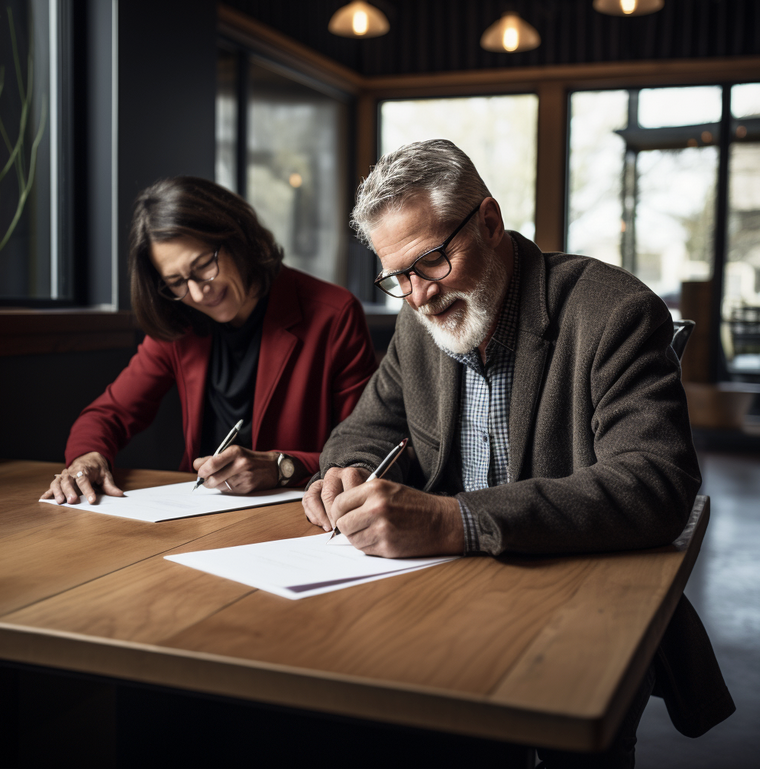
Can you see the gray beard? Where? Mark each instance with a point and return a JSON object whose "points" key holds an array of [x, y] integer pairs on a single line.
{"points": [[466, 328]]}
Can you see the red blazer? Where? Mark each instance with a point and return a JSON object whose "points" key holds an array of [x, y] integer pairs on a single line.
{"points": [[316, 357]]}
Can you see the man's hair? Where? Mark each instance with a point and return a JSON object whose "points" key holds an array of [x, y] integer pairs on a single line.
{"points": [[435, 170], [189, 206]]}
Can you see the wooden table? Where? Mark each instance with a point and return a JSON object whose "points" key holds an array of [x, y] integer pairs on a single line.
{"points": [[528, 651]]}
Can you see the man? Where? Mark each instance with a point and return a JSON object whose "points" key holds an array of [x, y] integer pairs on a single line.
{"points": [[540, 394]]}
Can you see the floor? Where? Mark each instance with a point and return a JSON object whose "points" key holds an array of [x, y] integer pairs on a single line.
{"points": [[725, 589]]}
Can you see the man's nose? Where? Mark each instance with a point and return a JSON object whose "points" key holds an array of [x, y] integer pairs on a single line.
{"points": [[422, 291]]}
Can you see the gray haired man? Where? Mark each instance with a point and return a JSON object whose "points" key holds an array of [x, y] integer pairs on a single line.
{"points": [[540, 395]]}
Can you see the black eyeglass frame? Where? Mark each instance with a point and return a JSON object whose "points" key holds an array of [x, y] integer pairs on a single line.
{"points": [[167, 293], [414, 269]]}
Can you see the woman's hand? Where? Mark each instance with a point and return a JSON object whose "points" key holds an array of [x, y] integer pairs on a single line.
{"points": [[80, 478], [239, 471]]}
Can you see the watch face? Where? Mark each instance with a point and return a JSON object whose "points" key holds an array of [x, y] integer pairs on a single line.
{"points": [[287, 468]]}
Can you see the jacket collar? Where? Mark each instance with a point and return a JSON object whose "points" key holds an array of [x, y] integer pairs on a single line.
{"points": [[531, 353], [534, 316], [278, 344]]}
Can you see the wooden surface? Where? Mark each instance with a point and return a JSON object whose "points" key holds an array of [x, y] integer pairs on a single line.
{"points": [[531, 651], [36, 332]]}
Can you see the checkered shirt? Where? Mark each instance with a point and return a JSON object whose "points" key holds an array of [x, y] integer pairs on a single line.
{"points": [[486, 390]]}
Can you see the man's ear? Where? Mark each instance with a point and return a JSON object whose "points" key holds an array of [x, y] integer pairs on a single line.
{"points": [[494, 224]]}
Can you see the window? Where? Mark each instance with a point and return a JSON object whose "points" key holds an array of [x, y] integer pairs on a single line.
{"points": [[226, 119], [741, 287], [37, 170], [497, 132], [291, 165], [28, 149], [644, 176], [597, 155]]}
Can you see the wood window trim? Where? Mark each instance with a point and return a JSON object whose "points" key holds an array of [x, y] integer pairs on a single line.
{"points": [[284, 50], [552, 84], [40, 332], [239, 26], [28, 331]]}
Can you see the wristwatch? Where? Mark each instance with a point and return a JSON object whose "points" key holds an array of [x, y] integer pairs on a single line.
{"points": [[286, 467]]}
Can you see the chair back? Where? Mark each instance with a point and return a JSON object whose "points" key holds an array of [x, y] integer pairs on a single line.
{"points": [[681, 332]]}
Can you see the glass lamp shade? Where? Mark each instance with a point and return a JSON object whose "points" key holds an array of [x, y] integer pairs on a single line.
{"points": [[510, 33], [358, 19], [628, 7]]}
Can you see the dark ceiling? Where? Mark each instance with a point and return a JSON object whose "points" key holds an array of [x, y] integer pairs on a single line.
{"points": [[443, 35]]}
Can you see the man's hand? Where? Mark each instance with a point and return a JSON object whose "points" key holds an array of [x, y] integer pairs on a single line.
{"points": [[395, 521], [238, 470], [319, 498], [82, 477]]}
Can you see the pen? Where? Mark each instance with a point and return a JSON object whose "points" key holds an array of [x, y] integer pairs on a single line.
{"points": [[231, 435], [381, 470]]}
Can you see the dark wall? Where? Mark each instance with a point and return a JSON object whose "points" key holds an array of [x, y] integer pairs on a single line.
{"points": [[167, 91], [45, 394], [166, 107]]}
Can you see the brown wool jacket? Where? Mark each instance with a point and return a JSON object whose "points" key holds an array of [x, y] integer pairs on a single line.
{"points": [[601, 454]]}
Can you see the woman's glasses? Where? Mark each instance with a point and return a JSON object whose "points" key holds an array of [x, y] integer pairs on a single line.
{"points": [[205, 269]]}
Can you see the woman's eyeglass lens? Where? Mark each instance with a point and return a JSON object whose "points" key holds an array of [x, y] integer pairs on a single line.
{"points": [[203, 272]]}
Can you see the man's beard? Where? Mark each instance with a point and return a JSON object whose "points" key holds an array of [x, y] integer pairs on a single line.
{"points": [[467, 326]]}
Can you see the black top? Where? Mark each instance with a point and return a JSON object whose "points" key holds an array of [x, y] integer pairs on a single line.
{"points": [[231, 380]]}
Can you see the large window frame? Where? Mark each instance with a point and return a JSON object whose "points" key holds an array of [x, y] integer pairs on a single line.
{"points": [[482, 113], [281, 141], [78, 161], [37, 46], [720, 134], [88, 319], [553, 86], [249, 42]]}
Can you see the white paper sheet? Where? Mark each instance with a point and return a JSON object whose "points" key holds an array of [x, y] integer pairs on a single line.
{"points": [[178, 500], [299, 567]]}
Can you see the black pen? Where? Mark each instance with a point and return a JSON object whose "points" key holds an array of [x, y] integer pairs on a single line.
{"points": [[231, 435], [381, 470]]}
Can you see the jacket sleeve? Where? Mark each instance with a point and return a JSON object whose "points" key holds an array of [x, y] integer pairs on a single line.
{"points": [[638, 488], [127, 406], [378, 423]]}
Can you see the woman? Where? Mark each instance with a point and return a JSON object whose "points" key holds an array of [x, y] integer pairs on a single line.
{"points": [[242, 336]]}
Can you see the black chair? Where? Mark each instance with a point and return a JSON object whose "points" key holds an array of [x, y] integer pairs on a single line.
{"points": [[681, 332]]}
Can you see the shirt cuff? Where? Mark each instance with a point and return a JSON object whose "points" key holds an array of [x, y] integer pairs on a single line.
{"points": [[471, 539]]}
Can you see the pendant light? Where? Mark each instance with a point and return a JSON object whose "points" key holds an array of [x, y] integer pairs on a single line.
{"points": [[628, 7], [511, 34], [358, 19]]}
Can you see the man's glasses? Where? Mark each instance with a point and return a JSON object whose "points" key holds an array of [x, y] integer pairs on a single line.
{"points": [[204, 271], [432, 265]]}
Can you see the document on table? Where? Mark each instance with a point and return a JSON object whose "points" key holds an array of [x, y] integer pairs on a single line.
{"points": [[178, 500], [300, 567]]}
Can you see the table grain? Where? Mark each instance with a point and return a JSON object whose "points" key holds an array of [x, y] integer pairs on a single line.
{"points": [[535, 651]]}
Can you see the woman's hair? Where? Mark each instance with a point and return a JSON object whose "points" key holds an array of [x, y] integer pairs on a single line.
{"points": [[436, 170], [188, 206]]}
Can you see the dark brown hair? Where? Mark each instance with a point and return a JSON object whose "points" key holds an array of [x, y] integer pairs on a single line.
{"points": [[189, 206]]}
